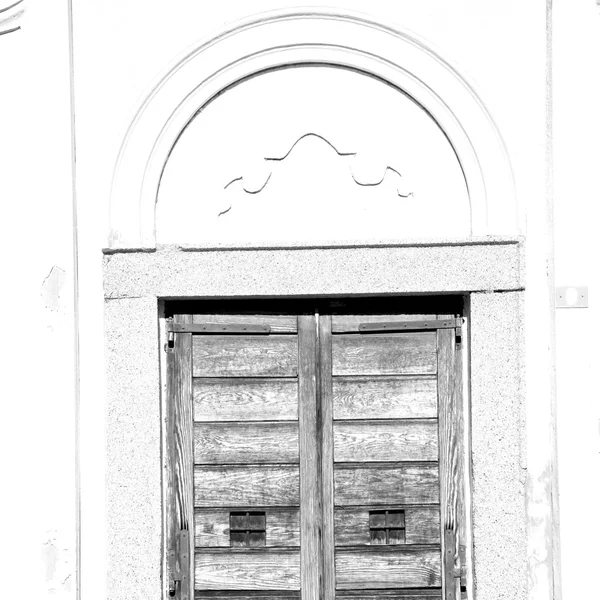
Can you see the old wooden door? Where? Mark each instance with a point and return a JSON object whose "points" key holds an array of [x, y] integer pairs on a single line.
{"points": [[314, 456]]}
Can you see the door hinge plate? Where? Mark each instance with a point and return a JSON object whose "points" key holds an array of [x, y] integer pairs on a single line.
{"points": [[395, 326], [179, 567], [218, 328]]}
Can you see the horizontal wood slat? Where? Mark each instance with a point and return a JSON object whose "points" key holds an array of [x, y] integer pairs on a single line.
{"points": [[245, 443], [422, 526], [376, 441], [245, 356], [249, 570], [282, 529], [402, 484], [277, 323], [396, 566], [406, 594], [246, 486], [245, 399], [385, 354], [248, 595], [384, 397], [350, 323]]}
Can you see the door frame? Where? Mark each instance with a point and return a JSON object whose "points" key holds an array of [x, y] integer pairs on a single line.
{"points": [[488, 272]]}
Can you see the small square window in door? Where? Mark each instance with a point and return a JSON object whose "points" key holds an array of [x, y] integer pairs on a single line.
{"points": [[247, 529], [387, 527]]}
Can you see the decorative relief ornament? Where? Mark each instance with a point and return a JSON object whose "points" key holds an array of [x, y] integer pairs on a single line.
{"points": [[11, 14], [365, 170]]}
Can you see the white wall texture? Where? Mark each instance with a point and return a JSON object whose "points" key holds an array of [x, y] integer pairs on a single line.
{"points": [[576, 129], [120, 50], [38, 518]]}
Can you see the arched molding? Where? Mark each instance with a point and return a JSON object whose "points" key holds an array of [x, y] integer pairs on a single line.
{"points": [[308, 37]]}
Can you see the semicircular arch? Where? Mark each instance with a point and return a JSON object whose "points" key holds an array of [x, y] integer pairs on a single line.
{"points": [[316, 37]]}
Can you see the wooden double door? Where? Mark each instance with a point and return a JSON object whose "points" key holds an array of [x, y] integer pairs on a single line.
{"points": [[314, 456]]}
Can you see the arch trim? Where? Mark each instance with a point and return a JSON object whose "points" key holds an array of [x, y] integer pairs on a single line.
{"points": [[288, 38]]}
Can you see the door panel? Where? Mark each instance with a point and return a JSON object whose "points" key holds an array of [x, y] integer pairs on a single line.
{"points": [[378, 441], [392, 567], [212, 527], [245, 356], [396, 397], [421, 525], [246, 486], [248, 570], [216, 443], [312, 454], [266, 399], [385, 354]]}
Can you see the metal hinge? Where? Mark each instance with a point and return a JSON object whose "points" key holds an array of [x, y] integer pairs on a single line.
{"points": [[217, 328], [455, 568], [430, 325], [179, 568]]}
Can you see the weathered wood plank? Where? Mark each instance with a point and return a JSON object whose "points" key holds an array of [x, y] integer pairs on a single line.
{"points": [[422, 525], [310, 456], [450, 427], [245, 443], [394, 566], [384, 397], [239, 399], [249, 595], [406, 594], [326, 443], [350, 323], [380, 441], [248, 570], [246, 486], [212, 527], [380, 485], [245, 356], [180, 480], [277, 323], [385, 354]]}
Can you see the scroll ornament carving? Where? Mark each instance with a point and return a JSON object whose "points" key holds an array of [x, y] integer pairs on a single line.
{"points": [[11, 14], [365, 171]]}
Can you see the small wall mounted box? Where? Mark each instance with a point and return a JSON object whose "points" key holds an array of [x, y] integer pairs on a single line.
{"points": [[571, 296]]}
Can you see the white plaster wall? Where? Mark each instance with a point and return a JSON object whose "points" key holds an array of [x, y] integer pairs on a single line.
{"points": [[576, 51], [121, 50], [37, 425]]}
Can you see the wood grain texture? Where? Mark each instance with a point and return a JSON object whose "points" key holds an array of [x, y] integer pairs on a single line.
{"points": [[325, 415], [246, 486], [350, 323], [248, 570], [450, 427], [422, 525], [180, 480], [212, 527], [239, 399], [277, 323], [310, 456], [390, 567], [245, 356], [245, 443], [380, 485], [385, 354], [380, 441], [247, 595], [384, 397], [400, 594]]}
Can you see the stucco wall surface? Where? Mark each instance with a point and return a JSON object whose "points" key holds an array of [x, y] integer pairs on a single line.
{"points": [[170, 272], [134, 415], [498, 447], [133, 479]]}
